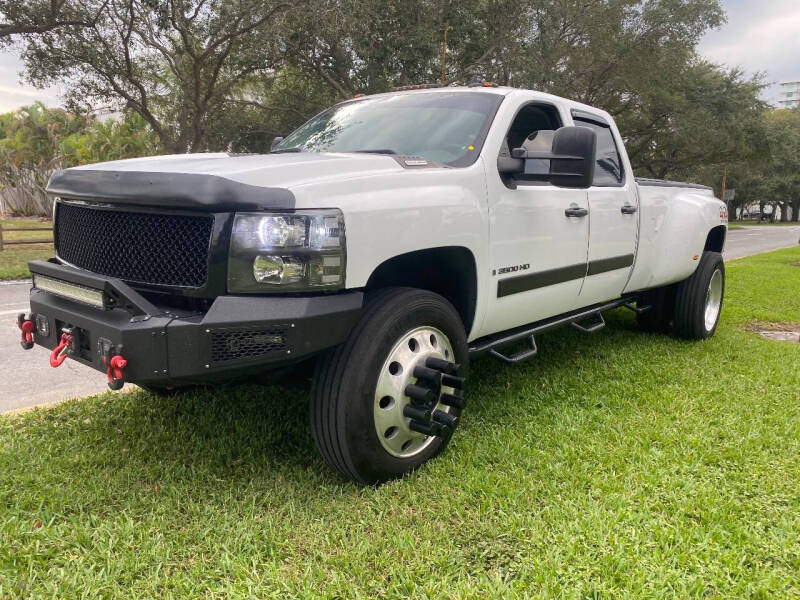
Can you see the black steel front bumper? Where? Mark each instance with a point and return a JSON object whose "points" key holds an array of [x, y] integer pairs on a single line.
{"points": [[237, 336]]}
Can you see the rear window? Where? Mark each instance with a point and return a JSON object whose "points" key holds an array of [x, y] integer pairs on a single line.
{"points": [[608, 169]]}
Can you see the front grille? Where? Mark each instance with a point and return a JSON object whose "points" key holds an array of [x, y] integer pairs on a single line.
{"points": [[234, 344], [138, 247]]}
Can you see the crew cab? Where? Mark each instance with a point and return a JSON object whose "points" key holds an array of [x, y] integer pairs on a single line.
{"points": [[391, 239]]}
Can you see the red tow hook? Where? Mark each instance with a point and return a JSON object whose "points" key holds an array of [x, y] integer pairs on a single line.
{"points": [[26, 326], [62, 351], [114, 372]]}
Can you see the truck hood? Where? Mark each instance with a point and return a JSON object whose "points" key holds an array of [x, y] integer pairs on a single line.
{"points": [[214, 182]]}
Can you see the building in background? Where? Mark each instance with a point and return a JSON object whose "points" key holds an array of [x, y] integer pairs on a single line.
{"points": [[789, 96]]}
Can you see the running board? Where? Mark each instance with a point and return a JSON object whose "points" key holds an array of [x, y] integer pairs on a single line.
{"points": [[519, 356], [636, 308], [492, 343], [596, 326]]}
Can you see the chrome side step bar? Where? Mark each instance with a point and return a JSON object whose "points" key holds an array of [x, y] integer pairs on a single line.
{"points": [[491, 344]]}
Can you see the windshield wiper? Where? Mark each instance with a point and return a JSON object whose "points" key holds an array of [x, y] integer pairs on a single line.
{"points": [[284, 150], [377, 151]]}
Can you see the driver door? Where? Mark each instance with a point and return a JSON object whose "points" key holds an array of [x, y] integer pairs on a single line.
{"points": [[538, 252]]}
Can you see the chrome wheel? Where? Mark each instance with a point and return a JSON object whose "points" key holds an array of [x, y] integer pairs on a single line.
{"points": [[392, 427], [713, 300]]}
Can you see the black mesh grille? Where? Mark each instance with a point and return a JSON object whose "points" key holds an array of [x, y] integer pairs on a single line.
{"points": [[140, 247], [233, 344]]}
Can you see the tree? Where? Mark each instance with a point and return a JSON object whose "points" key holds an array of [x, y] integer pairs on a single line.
{"points": [[29, 153], [699, 117], [26, 17], [771, 175], [176, 63], [36, 140]]}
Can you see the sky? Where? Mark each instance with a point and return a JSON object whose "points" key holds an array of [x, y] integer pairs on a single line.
{"points": [[760, 36]]}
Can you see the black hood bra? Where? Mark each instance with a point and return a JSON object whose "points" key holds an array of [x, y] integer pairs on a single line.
{"points": [[192, 191]]}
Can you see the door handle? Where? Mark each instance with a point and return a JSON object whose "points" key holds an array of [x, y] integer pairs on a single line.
{"points": [[628, 209], [575, 211]]}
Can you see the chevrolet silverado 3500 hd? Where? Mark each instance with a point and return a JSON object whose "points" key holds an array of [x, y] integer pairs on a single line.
{"points": [[392, 237]]}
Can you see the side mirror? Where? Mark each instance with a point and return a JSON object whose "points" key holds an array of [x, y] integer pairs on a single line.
{"points": [[275, 143], [572, 159], [574, 155]]}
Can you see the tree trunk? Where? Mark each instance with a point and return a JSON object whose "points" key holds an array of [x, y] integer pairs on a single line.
{"points": [[731, 210]]}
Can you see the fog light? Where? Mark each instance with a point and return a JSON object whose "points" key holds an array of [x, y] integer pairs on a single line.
{"points": [[268, 268], [42, 325]]}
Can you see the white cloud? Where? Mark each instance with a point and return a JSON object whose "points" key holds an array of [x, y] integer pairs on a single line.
{"points": [[759, 37], [13, 93]]}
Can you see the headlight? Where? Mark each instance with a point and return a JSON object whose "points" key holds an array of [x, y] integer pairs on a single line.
{"points": [[299, 251]]}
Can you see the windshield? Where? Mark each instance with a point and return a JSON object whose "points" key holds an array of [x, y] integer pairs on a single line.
{"points": [[446, 127]]}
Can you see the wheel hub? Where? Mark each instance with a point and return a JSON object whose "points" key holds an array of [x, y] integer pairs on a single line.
{"points": [[416, 392], [713, 300]]}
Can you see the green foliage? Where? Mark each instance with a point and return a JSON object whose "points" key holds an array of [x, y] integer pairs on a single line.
{"points": [[224, 75], [36, 140], [699, 117], [18, 17], [175, 63], [771, 175], [265, 107], [109, 140], [649, 468]]}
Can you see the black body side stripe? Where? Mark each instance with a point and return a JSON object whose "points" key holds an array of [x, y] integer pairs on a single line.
{"points": [[610, 264], [524, 283]]}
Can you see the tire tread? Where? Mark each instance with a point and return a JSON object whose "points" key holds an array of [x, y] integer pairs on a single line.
{"points": [[327, 404], [690, 298]]}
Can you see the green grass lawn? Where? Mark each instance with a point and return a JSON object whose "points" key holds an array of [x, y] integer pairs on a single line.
{"points": [[619, 465], [14, 259]]}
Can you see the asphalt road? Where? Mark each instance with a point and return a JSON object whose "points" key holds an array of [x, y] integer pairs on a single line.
{"points": [[29, 380], [760, 238], [26, 377]]}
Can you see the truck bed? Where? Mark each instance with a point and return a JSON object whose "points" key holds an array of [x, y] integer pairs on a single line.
{"points": [[646, 181], [668, 246]]}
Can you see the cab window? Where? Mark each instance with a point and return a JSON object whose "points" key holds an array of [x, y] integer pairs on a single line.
{"points": [[608, 169], [532, 129]]}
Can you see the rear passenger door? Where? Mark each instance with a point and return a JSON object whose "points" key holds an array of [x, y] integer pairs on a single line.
{"points": [[613, 215]]}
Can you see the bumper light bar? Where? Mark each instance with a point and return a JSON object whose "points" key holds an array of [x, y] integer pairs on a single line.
{"points": [[79, 293]]}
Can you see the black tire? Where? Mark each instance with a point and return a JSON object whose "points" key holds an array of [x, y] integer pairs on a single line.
{"points": [[658, 319], [692, 296], [344, 386]]}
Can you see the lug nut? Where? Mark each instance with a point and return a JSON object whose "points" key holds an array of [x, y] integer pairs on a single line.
{"points": [[425, 428], [451, 400], [421, 395], [427, 374], [453, 381], [445, 419], [417, 414], [443, 366]]}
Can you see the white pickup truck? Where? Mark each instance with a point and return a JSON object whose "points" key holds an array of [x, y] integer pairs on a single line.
{"points": [[390, 238]]}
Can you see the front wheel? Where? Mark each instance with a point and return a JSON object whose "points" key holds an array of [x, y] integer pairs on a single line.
{"points": [[389, 398], [698, 301]]}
